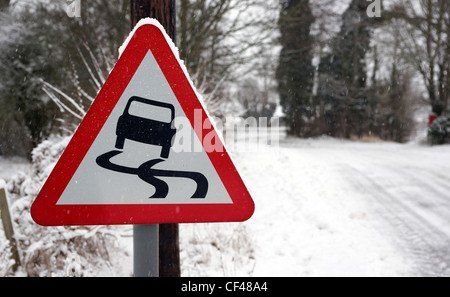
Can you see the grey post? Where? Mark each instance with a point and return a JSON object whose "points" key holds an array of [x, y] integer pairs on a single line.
{"points": [[8, 228], [146, 250]]}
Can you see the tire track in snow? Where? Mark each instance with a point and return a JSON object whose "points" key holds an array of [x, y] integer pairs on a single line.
{"points": [[377, 171], [416, 235], [383, 177]]}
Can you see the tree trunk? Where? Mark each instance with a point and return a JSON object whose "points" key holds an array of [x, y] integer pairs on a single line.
{"points": [[162, 10], [4, 4], [169, 251]]}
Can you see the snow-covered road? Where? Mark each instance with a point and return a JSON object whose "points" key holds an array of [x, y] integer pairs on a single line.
{"points": [[410, 188], [336, 208]]}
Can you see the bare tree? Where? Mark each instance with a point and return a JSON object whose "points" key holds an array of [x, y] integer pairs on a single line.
{"points": [[221, 40], [425, 38]]}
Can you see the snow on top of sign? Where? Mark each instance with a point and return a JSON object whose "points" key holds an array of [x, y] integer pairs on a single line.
{"points": [[148, 21], [2, 184], [174, 48]]}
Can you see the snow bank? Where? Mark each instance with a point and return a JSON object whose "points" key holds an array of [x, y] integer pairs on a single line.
{"points": [[216, 250], [57, 251], [309, 220]]}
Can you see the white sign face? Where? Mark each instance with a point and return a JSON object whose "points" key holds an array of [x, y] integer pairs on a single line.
{"points": [[136, 168]]}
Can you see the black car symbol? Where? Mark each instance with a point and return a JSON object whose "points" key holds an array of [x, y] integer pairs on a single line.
{"points": [[147, 121]]}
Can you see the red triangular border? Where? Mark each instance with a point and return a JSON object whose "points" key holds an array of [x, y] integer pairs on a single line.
{"points": [[45, 211]]}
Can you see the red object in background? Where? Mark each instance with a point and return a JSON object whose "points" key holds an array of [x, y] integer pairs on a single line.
{"points": [[432, 118]]}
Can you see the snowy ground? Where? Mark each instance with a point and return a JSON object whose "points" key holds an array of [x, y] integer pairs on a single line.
{"points": [[336, 208], [325, 207], [10, 166]]}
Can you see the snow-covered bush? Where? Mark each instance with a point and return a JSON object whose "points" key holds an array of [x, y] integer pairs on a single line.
{"points": [[5, 255], [54, 251], [216, 250], [439, 131]]}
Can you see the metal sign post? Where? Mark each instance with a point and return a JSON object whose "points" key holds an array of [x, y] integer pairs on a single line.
{"points": [[146, 250]]}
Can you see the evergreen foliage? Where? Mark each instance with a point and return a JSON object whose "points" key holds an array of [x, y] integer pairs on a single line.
{"points": [[295, 73], [343, 75], [41, 43], [439, 131]]}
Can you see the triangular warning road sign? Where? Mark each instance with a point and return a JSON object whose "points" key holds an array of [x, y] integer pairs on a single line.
{"points": [[146, 152]]}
